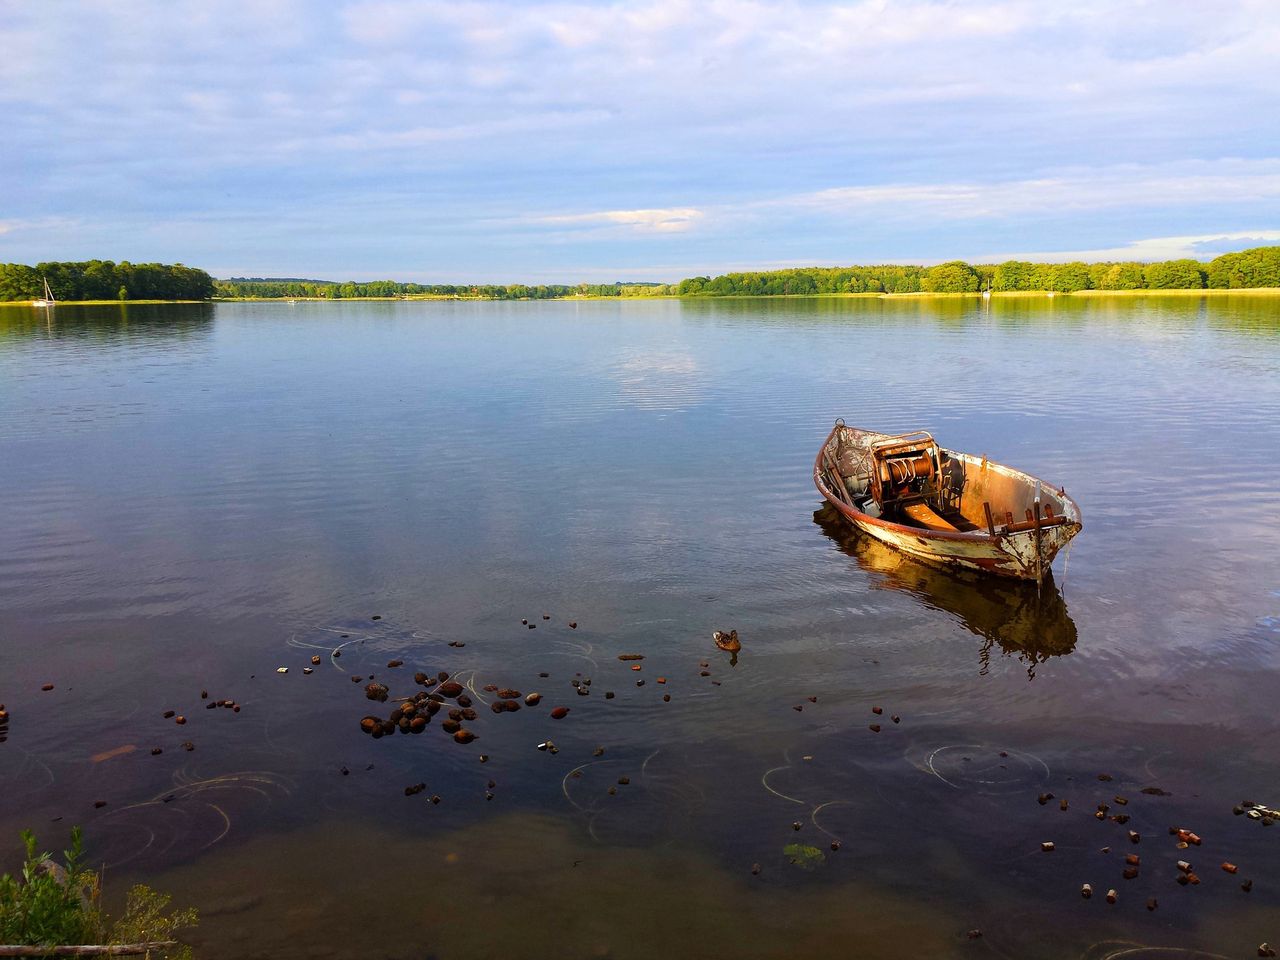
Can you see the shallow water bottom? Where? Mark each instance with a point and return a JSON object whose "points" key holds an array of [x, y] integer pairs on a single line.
{"points": [[532, 886], [527, 886]]}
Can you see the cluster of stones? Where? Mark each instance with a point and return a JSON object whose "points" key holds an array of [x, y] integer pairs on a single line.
{"points": [[413, 714], [1184, 839]]}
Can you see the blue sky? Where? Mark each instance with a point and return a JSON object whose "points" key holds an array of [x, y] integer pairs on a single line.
{"points": [[567, 141]]}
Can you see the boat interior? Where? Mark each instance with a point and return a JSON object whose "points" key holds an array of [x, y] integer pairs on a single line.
{"points": [[909, 479]]}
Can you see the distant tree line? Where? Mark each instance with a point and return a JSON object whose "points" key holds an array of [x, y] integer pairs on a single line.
{"points": [[105, 280], [1259, 267], [277, 288]]}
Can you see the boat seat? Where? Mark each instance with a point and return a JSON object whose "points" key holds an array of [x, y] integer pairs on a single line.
{"points": [[923, 515]]}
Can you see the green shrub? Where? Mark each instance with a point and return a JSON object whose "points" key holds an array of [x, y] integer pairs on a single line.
{"points": [[49, 904]]}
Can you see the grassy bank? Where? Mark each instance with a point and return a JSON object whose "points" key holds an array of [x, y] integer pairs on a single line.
{"points": [[998, 294], [1177, 292], [92, 303]]}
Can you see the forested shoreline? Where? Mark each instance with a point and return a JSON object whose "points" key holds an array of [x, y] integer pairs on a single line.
{"points": [[105, 280], [1258, 267], [289, 288]]}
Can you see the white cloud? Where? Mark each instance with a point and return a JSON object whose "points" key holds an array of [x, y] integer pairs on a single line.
{"points": [[1204, 246], [669, 220], [38, 225], [1172, 186]]}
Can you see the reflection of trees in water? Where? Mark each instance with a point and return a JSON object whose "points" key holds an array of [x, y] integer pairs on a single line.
{"points": [[108, 322], [1011, 614]]}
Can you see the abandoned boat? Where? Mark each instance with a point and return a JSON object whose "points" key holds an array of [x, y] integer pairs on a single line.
{"points": [[947, 507]]}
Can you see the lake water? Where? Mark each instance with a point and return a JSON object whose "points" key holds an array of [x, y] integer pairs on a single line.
{"points": [[194, 496]]}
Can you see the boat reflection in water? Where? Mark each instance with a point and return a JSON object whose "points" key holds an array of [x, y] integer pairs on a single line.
{"points": [[1031, 625]]}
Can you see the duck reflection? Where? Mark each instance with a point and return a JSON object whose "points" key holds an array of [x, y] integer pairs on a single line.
{"points": [[1008, 613]]}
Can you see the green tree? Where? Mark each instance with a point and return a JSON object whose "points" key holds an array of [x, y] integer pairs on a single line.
{"points": [[953, 277], [1014, 275], [1123, 276], [1258, 267], [1069, 277], [1174, 275]]}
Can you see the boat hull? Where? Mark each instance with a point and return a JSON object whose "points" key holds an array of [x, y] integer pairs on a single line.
{"points": [[1026, 554]]}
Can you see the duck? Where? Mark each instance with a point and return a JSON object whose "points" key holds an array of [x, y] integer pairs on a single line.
{"points": [[727, 641]]}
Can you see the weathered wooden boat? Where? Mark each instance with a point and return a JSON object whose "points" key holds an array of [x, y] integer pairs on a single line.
{"points": [[942, 506]]}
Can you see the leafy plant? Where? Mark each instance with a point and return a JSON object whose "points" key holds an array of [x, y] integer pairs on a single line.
{"points": [[48, 903], [804, 856], [51, 904], [145, 921]]}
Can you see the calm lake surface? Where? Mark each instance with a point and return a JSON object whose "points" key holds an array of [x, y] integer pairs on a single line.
{"points": [[197, 495]]}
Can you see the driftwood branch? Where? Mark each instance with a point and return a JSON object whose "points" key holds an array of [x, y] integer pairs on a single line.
{"points": [[86, 949]]}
